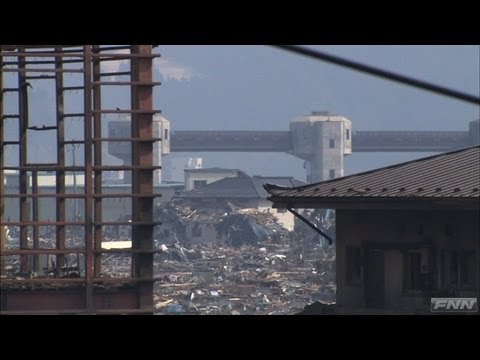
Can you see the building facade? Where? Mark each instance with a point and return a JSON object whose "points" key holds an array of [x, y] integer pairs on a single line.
{"points": [[404, 233]]}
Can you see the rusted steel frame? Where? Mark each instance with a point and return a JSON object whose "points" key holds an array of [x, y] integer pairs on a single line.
{"points": [[35, 217], [39, 77], [22, 53], [117, 73], [128, 167], [130, 251], [22, 132], [79, 251], [77, 312], [81, 223], [142, 180], [44, 223], [78, 196], [65, 53], [133, 111], [89, 263], [77, 280], [130, 83], [123, 195], [46, 195], [43, 281], [71, 88], [46, 167], [126, 139], [43, 62], [3, 235], [73, 142], [133, 223], [60, 173], [44, 70], [97, 133], [109, 48], [79, 115], [115, 57], [44, 251]]}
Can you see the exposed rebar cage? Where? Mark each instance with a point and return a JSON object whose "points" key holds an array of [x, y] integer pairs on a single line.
{"points": [[87, 292]]}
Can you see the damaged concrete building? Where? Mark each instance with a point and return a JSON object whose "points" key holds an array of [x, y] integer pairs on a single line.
{"points": [[404, 233], [224, 209]]}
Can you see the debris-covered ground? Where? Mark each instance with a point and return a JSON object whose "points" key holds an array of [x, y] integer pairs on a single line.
{"points": [[258, 268], [270, 278], [253, 265]]}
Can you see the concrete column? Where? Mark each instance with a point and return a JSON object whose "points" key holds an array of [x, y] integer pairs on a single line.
{"points": [[328, 151], [322, 140]]}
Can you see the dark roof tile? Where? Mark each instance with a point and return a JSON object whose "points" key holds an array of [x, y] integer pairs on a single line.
{"points": [[452, 174]]}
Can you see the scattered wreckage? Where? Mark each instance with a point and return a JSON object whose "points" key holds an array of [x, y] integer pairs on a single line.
{"points": [[251, 264]]}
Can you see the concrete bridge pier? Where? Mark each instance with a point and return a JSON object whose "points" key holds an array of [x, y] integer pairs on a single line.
{"points": [[322, 140]]}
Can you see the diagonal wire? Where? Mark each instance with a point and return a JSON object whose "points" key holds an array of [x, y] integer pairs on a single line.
{"points": [[319, 55]]}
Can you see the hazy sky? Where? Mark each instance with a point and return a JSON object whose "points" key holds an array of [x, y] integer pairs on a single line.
{"points": [[262, 88], [257, 87]]}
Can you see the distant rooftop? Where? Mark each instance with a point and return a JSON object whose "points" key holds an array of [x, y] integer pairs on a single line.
{"points": [[240, 187]]}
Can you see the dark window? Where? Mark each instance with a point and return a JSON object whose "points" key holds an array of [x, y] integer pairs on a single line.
{"points": [[332, 174], [198, 184], [166, 135], [449, 231], [453, 268], [420, 229], [332, 143], [348, 134], [413, 271], [467, 268], [354, 269], [196, 231]]}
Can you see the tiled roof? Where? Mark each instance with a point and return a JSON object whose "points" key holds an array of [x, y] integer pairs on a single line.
{"points": [[243, 186], [454, 174]]}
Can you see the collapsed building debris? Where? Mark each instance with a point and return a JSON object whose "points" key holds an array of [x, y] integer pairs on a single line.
{"points": [[251, 265], [250, 279], [231, 225]]}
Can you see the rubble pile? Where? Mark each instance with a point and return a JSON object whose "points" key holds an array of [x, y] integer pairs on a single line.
{"points": [[232, 225], [252, 266], [271, 278]]}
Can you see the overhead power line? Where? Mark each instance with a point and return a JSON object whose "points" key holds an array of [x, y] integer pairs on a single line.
{"points": [[322, 56]]}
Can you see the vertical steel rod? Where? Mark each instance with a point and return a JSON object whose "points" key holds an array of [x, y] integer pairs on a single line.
{"points": [[97, 130], [22, 131], [88, 176], [60, 174]]}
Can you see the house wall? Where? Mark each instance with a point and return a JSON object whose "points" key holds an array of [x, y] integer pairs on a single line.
{"points": [[165, 234], [203, 233], [436, 236], [285, 217]]}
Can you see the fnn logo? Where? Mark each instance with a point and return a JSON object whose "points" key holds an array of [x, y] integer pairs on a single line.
{"points": [[453, 305]]}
